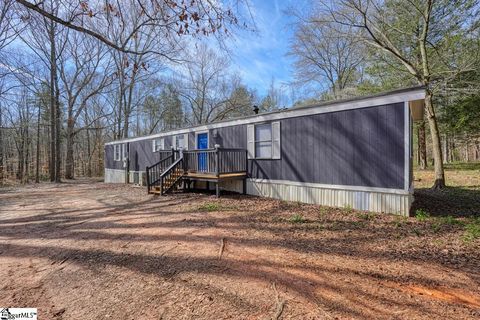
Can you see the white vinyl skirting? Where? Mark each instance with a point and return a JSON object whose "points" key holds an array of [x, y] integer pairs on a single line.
{"points": [[360, 198]]}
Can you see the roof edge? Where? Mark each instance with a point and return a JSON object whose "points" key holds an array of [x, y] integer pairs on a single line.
{"points": [[398, 95]]}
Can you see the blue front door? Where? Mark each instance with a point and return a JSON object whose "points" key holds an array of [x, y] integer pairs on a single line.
{"points": [[202, 143]]}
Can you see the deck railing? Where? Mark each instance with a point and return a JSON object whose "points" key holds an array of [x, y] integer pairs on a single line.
{"points": [[167, 172], [155, 171], [215, 161]]}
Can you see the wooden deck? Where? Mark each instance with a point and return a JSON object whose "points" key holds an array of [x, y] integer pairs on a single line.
{"points": [[212, 177]]}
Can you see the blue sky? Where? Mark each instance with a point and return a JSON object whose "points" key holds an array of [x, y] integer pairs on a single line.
{"points": [[261, 56]]}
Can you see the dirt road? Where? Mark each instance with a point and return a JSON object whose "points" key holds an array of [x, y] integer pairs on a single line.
{"points": [[87, 250]]}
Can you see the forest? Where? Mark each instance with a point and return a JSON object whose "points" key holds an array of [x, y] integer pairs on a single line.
{"points": [[77, 74]]}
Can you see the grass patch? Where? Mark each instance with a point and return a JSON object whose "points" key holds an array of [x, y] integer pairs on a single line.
{"points": [[421, 215], [472, 230], [297, 218], [400, 221], [348, 208], [209, 206], [366, 216]]}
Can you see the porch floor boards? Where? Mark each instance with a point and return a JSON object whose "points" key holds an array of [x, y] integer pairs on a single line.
{"points": [[213, 177]]}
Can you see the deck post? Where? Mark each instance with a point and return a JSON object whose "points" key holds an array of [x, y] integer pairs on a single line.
{"points": [[217, 161], [217, 170], [244, 186], [148, 179]]}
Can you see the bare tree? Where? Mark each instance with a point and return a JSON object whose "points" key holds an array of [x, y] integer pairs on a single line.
{"points": [[85, 71], [325, 56], [167, 19], [205, 85], [416, 37]]}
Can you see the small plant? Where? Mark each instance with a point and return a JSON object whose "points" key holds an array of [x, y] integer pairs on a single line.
{"points": [[450, 220], [209, 206], [367, 216], [400, 221], [472, 230], [421, 215], [297, 218], [348, 208], [322, 211], [436, 226]]}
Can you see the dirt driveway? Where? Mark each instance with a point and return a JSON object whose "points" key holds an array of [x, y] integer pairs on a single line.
{"points": [[88, 250]]}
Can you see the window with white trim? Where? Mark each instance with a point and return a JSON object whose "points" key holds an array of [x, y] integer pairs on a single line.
{"points": [[158, 144], [116, 152], [263, 141], [119, 152], [124, 151], [181, 142]]}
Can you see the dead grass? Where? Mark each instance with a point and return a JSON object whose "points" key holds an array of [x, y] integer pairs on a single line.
{"points": [[95, 251]]}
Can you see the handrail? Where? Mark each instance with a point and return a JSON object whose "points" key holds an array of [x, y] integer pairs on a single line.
{"points": [[154, 171], [215, 161], [167, 174]]}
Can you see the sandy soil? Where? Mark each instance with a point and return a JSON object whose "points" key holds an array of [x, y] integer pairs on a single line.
{"points": [[87, 250]]}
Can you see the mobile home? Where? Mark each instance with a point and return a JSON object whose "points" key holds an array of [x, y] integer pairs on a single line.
{"points": [[355, 152]]}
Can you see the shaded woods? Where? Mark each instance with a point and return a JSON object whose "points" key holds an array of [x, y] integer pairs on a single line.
{"points": [[74, 76]]}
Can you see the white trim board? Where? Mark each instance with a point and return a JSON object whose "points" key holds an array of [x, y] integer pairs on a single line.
{"points": [[406, 137], [395, 97], [332, 186]]}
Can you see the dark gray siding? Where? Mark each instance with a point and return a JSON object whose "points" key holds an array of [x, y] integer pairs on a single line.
{"points": [[361, 147], [110, 163]]}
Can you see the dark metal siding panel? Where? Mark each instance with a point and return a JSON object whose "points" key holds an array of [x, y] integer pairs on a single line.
{"points": [[110, 163], [362, 147]]}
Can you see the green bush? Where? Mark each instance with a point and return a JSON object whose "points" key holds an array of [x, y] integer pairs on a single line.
{"points": [[421, 215]]}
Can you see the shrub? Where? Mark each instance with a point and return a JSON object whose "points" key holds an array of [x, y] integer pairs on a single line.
{"points": [[421, 215]]}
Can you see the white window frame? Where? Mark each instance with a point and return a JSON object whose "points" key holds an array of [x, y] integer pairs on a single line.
{"points": [[185, 142], [255, 141], [158, 144], [117, 152], [124, 152]]}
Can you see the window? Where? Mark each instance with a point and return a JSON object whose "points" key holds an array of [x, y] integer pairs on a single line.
{"points": [[181, 141], [158, 144], [124, 151], [116, 152], [263, 141]]}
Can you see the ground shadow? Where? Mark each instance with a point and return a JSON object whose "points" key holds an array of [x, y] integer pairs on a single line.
{"points": [[451, 201]]}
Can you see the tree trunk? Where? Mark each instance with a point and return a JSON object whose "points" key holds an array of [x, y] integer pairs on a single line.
{"points": [[1, 147], [446, 149], [477, 150], [436, 145], [37, 151], [58, 126], [53, 71], [422, 146], [69, 160]]}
